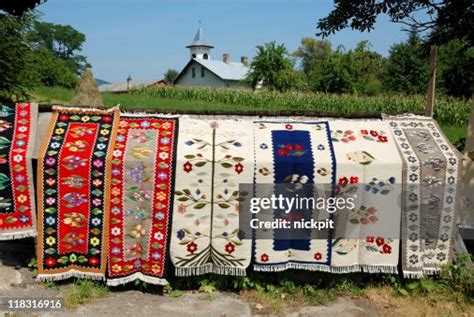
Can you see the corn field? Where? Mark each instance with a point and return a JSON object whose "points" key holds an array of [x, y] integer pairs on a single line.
{"points": [[448, 110]]}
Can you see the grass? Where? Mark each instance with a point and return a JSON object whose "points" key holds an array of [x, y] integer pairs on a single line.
{"points": [[83, 292], [451, 113]]}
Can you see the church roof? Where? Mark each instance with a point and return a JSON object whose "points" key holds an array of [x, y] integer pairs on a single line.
{"points": [[225, 71], [199, 40]]}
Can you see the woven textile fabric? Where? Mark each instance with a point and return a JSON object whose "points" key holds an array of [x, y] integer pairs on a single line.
{"points": [[369, 168], [17, 204], [74, 173], [213, 157], [141, 199], [298, 153], [431, 176]]}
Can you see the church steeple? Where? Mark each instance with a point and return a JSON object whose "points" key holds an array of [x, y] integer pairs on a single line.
{"points": [[199, 47]]}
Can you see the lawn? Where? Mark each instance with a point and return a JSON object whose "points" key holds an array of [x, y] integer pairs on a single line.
{"points": [[452, 114]]}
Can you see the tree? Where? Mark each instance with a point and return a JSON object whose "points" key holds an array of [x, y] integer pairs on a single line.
{"points": [[406, 69], [170, 75], [18, 7], [14, 55], [273, 68], [447, 19], [62, 40]]}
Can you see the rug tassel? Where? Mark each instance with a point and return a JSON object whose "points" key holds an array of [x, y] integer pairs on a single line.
{"points": [[210, 268], [137, 276], [18, 235], [70, 274]]}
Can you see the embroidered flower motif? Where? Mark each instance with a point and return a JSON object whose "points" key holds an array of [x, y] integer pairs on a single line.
{"points": [[50, 262], [22, 198], [50, 241], [187, 167], [145, 124], [162, 175], [238, 168], [321, 147], [318, 256], [383, 138], [138, 231], [165, 140], [158, 236], [163, 155], [180, 234], [369, 239], [94, 241], [264, 257], [85, 118], [288, 127], [159, 216], [160, 196], [214, 125], [115, 231], [93, 261], [387, 249], [55, 145], [59, 131], [192, 247], [50, 161], [117, 153], [263, 146], [24, 219], [156, 256], [380, 241], [98, 163], [50, 220], [229, 248]]}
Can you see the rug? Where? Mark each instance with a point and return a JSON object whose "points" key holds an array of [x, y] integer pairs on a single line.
{"points": [[296, 153], [431, 175], [369, 169], [213, 158], [74, 175], [17, 204], [141, 199]]}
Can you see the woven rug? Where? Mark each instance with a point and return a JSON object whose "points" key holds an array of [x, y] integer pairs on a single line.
{"points": [[431, 176], [213, 157], [369, 168], [17, 204], [298, 153], [141, 198], [74, 173]]}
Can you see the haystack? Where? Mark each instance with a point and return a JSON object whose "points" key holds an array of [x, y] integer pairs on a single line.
{"points": [[86, 92]]}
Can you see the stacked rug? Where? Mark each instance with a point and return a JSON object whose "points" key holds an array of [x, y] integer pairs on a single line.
{"points": [[213, 158], [17, 204], [369, 169], [74, 175], [141, 199], [431, 170], [299, 153]]}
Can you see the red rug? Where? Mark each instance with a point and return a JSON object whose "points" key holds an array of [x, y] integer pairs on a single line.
{"points": [[17, 205], [73, 179], [142, 189]]}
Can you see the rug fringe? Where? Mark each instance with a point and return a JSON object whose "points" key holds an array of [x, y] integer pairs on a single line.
{"points": [[412, 274], [70, 274], [83, 110], [147, 114], [18, 235], [210, 268], [137, 276], [390, 269], [292, 265]]}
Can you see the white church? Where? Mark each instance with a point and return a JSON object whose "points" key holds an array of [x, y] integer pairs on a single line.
{"points": [[203, 71]]}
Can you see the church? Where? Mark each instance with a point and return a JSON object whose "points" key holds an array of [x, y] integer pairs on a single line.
{"points": [[203, 71]]}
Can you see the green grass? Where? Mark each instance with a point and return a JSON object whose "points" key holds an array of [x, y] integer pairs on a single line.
{"points": [[83, 292], [452, 114]]}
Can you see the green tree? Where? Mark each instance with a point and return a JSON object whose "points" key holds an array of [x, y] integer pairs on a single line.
{"points": [[273, 68], [170, 75], [447, 19], [406, 69], [62, 40], [14, 55]]}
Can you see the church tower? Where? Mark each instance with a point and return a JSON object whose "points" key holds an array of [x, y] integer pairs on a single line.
{"points": [[200, 48]]}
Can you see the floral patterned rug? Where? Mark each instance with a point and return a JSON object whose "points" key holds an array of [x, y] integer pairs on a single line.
{"points": [[430, 194], [213, 157], [74, 175], [17, 204], [141, 199]]}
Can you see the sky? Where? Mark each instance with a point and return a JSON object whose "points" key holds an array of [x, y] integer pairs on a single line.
{"points": [[144, 38]]}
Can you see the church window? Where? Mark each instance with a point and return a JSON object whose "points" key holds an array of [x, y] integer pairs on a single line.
{"points": [[194, 55], [205, 56], [193, 72], [203, 72]]}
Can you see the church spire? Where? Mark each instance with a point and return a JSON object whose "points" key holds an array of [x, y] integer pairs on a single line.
{"points": [[199, 47]]}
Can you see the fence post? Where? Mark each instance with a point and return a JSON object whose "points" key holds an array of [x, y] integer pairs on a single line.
{"points": [[430, 100]]}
